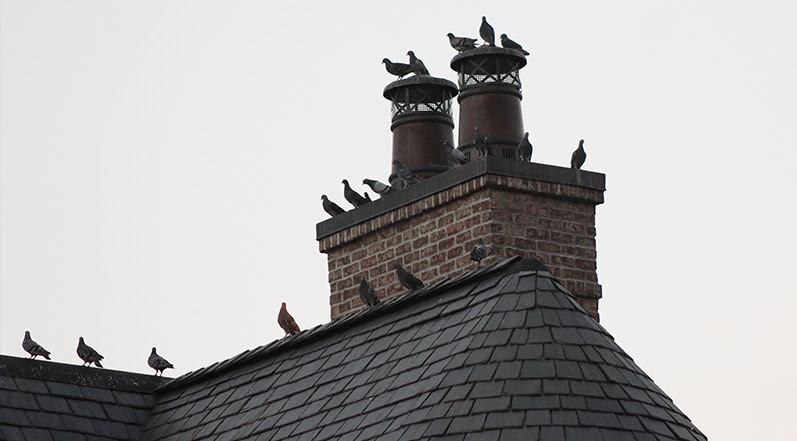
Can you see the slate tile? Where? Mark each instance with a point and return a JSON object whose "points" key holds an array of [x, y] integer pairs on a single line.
{"points": [[109, 429], [553, 434], [508, 370], [567, 369], [630, 422], [656, 426], [126, 398], [27, 385], [18, 400], [524, 434], [582, 434], [550, 317], [540, 335], [120, 413], [36, 434], [592, 372], [11, 433], [555, 386], [494, 322], [87, 409], [467, 424], [519, 336], [538, 417], [487, 389], [494, 404], [524, 386], [564, 418], [531, 351], [538, 369], [98, 394], [64, 390], [573, 402], [482, 372], [486, 435], [617, 435], [535, 402], [598, 419]]}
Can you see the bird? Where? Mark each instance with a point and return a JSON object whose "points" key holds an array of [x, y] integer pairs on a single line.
{"points": [[367, 294], [417, 65], [405, 175], [286, 322], [454, 154], [378, 187], [88, 354], [461, 44], [367, 197], [158, 363], [486, 32], [579, 156], [397, 69], [352, 196], [479, 252], [330, 207], [524, 148], [406, 278], [482, 144], [33, 348], [509, 44]]}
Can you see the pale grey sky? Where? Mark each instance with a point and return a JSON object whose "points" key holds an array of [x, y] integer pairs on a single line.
{"points": [[161, 165]]}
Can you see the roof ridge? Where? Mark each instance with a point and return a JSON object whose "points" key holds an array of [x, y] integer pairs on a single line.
{"points": [[276, 346]]}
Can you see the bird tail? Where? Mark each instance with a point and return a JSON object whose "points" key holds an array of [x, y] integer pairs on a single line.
{"points": [[97, 363], [47, 356]]}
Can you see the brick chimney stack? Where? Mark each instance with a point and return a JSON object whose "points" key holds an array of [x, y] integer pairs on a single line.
{"points": [[517, 208], [421, 121]]}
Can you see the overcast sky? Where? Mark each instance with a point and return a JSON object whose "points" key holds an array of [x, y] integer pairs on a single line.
{"points": [[161, 165]]}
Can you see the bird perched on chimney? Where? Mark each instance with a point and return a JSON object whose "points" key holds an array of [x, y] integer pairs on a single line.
{"points": [[454, 154], [88, 354], [33, 348], [509, 44], [405, 175], [524, 148], [487, 33], [352, 196], [158, 363], [579, 156], [330, 207], [461, 44], [479, 252], [482, 144], [417, 65], [286, 322], [367, 294], [397, 69], [378, 187], [407, 279]]}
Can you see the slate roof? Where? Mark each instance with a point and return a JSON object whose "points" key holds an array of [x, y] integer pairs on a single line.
{"points": [[504, 352], [44, 400]]}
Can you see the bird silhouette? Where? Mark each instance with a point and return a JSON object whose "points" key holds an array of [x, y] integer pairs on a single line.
{"points": [[479, 252], [509, 44], [407, 279], [378, 187], [461, 44], [417, 65], [158, 363], [367, 294], [397, 69], [88, 354], [482, 144], [352, 196], [33, 348], [405, 175], [486, 32], [330, 207], [524, 148], [454, 154], [286, 322], [579, 156]]}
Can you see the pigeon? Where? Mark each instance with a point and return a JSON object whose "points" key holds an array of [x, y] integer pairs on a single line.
{"points": [[461, 44], [407, 279], [509, 44], [579, 156], [524, 148], [352, 196], [367, 197], [88, 354], [479, 252], [286, 322], [487, 33], [367, 294], [417, 65], [330, 207], [454, 154], [405, 175], [397, 69], [378, 187], [158, 363], [482, 144], [33, 348]]}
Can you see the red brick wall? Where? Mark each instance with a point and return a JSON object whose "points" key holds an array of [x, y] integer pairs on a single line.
{"points": [[433, 237]]}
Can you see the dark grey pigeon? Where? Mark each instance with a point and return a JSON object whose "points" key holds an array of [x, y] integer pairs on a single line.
{"points": [[487, 33], [33, 348], [378, 187], [330, 207], [158, 363], [397, 69], [417, 65], [482, 144], [405, 175], [524, 148], [509, 44], [367, 294], [479, 252], [407, 279], [461, 44], [454, 154], [88, 354], [579, 156], [367, 198], [352, 196]]}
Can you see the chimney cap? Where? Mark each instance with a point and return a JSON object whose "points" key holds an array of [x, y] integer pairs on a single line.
{"points": [[518, 59], [447, 89]]}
